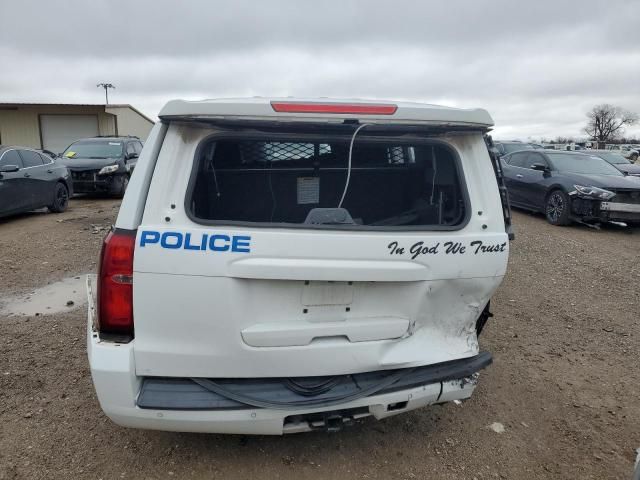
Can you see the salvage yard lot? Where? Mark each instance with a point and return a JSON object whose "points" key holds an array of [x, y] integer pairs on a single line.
{"points": [[565, 381]]}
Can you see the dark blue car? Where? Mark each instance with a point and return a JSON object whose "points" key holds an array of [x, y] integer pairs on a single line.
{"points": [[571, 186], [30, 179]]}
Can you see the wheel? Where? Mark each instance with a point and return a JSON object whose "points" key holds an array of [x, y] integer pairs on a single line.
{"points": [[60, 199], [557, 207]]}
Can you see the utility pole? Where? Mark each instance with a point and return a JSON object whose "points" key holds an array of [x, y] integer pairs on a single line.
{"points": [[106, 86]]}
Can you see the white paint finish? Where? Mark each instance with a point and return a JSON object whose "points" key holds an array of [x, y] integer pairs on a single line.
{"points": [[132, 206], [117, 386], [223, 314], [59, 131], [303, 332], [260, 108], [327, 269], [327, 293], [300, 254], [205, 339], [442, 295]]}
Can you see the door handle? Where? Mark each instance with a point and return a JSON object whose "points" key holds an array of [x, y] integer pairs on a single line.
{"points": [[49, 171], [27, 175], [518, 176]]}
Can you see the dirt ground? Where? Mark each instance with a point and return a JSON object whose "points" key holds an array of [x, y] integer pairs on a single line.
{"points": [[565, 382]]}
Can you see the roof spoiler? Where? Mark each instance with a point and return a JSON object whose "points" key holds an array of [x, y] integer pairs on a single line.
{"points": [[336, 125]]}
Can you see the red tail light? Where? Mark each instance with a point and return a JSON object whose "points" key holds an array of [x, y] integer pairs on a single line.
{"points": [[348, 108], [115, 284]]}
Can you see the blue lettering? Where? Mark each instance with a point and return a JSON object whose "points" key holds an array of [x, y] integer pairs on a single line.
{"points": [[241, 244], [214, 243], [167, 235], [149, 237], [187, 243], [219, 248]]}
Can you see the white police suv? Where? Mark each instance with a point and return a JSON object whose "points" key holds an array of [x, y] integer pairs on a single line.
{"points": [[286, 265]]}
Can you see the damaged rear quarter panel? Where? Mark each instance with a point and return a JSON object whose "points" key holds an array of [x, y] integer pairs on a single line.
{"points": [[445, 321]]}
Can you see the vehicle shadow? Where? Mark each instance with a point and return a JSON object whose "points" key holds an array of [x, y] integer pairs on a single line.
{"points": [[316, 451], [93, 196], [24, 215], [608, 227]]}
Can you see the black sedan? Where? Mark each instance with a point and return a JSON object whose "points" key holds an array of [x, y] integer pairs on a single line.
{"points": [[102, 164], [618, 161], [571, 186], [30, 180]]}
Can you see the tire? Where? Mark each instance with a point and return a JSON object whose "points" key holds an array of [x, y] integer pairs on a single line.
{"points": [[556, 208], [60, 198]]}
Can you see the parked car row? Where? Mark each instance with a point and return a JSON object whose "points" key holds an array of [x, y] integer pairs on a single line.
{"points": [[589, 186], [32, 179], [629, 152], [618, 161]]}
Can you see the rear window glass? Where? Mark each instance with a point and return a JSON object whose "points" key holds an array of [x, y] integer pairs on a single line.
{"points": [[11, 157], [514, 147], [301, 183], [30, 158]]}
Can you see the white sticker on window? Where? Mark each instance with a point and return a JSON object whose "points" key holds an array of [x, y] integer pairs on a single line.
{"points": [[308, 190]]}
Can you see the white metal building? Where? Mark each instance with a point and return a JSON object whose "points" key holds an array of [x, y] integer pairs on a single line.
{"points": [[55, 126]]}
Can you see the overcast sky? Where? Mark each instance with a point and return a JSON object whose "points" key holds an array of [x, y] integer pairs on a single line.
{"points": [[537, 66]]}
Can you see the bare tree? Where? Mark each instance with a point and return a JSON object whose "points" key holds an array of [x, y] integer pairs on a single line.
{"points": [[607, 122]]}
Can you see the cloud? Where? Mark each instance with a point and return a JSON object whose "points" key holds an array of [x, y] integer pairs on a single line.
{"points": [[536, 66]]}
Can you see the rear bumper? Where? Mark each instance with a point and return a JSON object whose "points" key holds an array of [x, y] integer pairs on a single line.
{"points": [[162, 393], [119, 389]]}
